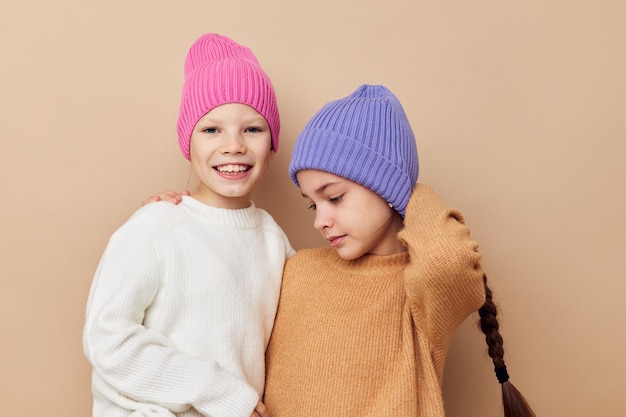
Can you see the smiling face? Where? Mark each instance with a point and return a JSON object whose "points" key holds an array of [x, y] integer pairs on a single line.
{"points": [[355, 220], [230, 152]]}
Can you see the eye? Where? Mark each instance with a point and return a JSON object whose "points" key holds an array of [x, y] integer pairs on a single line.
{"points": [[312, 207], [210, 130], [254, 129], [335, 199]]}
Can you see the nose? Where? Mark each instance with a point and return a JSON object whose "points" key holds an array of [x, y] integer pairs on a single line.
{"points": [[233, 144], [323, 219]]}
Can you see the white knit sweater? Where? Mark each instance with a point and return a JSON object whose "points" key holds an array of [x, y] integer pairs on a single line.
{"points": [[181, 309]]}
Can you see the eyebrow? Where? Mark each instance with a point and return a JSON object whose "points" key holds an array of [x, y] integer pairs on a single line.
{"points": [[254, 119], [321, 188]]}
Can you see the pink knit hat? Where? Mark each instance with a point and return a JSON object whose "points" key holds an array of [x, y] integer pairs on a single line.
{"points": [[219, 71]]}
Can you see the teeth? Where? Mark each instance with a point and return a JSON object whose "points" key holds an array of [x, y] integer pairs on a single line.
{"points": [[232, 168]]}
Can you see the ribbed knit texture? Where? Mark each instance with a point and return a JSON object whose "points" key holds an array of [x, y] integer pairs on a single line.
{"points": [[366, 138], [181, 310], [369, 337], [219, 71]]}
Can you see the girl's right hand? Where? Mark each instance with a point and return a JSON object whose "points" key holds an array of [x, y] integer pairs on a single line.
{"points": [[167, 195], [260, 410]]}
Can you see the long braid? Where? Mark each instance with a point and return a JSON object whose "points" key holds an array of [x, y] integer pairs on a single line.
{"points": [[514, 403]]}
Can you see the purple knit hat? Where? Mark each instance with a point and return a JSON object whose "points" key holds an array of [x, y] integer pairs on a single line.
{"points": [[219, 71], [366, 138]]}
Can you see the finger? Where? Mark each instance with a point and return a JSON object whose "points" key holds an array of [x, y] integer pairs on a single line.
{"points": [[170, 196], [152, 199], [261, 410]]}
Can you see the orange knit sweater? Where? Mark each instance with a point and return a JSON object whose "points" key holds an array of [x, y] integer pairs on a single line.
{"points": [[369, 337]]}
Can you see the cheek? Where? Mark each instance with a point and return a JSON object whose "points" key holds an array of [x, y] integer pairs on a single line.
{"points": [[203, 152], [371, 209], [358, 218], [262, 151], [195, 149], [200, 156], [266, 156], [373, 217]]}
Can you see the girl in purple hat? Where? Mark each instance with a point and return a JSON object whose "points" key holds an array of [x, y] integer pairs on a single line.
{"points": [[363, 326]]}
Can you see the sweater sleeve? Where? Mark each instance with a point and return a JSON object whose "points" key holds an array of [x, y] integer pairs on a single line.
{"points": [[444, 278], [139, 363]]}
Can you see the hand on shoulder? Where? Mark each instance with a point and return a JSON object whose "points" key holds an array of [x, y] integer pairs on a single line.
{"points": [[167, 195]]}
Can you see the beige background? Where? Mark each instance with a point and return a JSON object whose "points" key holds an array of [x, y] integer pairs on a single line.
{"points": [[520, 114]]}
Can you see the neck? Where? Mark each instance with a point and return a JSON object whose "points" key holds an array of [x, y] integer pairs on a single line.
{"points": [[220, 201]]}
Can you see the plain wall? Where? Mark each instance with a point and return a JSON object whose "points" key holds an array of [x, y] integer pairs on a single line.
{"points": [[520, 117]]}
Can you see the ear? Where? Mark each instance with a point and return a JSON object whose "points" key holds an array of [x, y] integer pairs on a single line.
{"points": [[272, 154]]}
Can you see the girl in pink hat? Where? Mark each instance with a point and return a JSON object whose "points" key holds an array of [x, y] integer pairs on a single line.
{"points": [[182, 304]]}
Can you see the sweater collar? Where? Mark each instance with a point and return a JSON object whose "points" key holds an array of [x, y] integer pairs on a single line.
{"points": [[373, 265], [239, 218]]}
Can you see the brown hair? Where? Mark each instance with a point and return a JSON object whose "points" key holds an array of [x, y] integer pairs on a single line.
{"points": [[514, 403]]}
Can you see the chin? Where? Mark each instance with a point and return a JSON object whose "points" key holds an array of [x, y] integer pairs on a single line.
{"points": [[348, 255]]}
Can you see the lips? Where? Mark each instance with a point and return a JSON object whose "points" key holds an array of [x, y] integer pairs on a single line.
{"points": [[232, 168], [336, 240]]}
